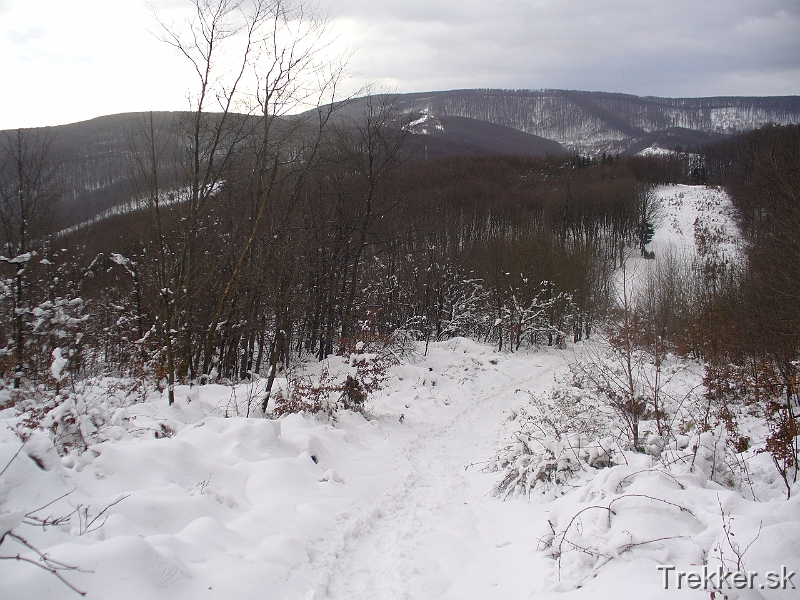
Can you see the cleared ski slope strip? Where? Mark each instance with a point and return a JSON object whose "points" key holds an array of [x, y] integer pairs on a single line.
{"points": [[690, 212], [693, 225]]}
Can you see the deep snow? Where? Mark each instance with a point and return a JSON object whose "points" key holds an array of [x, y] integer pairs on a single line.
{"points": [[239, 507]]}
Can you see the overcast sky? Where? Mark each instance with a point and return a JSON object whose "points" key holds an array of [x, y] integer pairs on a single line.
{"points": [[68, 60]]}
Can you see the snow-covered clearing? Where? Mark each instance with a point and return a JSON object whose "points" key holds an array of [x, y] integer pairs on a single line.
{"points": [[694, 225], [694, 218], [183, 503]]}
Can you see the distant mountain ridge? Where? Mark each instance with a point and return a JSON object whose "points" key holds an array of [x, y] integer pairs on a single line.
{"points": [[596, 122], [97, 158]]}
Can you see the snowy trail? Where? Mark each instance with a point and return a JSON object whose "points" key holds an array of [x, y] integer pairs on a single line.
{"points": [[299, 508], [435, 531]]}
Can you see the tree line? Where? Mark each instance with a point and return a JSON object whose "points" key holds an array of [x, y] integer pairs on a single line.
{"points": [[305, 252]]}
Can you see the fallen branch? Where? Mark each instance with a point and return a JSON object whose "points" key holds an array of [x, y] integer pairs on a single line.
{"points": [[47, 564]]}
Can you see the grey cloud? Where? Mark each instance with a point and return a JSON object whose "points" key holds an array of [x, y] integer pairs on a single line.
{"points": [[664, 47]]}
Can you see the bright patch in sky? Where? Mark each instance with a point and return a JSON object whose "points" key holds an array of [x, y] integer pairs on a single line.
{"points": [[67, 61]]}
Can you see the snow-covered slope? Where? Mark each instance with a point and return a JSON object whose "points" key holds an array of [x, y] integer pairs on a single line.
{"points": [[305, 508], [693, 216], [295, 508], [694, 225], [191, 502], [594, 122]]}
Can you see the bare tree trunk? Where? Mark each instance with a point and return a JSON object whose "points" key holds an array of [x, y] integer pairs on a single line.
{"points": [[29, 194]]}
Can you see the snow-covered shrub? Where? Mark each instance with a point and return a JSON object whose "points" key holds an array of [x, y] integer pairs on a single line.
{"points": [[372, 353], [23, 519], [74, 422], [404, 346], [546, 313], [465, 304], [304, 395], [559, 438], [614, 372], [754, 392], [705, 453], [94, 411], [243, 399], [362, 374], [55, 339], [50, 332]]}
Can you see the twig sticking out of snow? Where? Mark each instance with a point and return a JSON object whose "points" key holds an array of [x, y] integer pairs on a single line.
{"points": [[558, 548], [45, 562]]}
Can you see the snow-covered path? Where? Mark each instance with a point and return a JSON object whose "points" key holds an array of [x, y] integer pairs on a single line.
{"points": [[297, 508], [302, 509], [435, 531]]}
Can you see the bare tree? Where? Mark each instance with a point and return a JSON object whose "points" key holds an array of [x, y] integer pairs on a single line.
{"points": [[29, 194], [149, 145], [378, 136], [290, 74], [208, 140], [255, 63]]}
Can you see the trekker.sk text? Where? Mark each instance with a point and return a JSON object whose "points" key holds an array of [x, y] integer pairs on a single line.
{"points": [[721, 579]]}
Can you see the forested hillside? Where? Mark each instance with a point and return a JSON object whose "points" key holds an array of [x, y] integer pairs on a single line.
{"points": [[503, 249], [97, 161], [227, 274], [596, 122], [220, 277]]}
